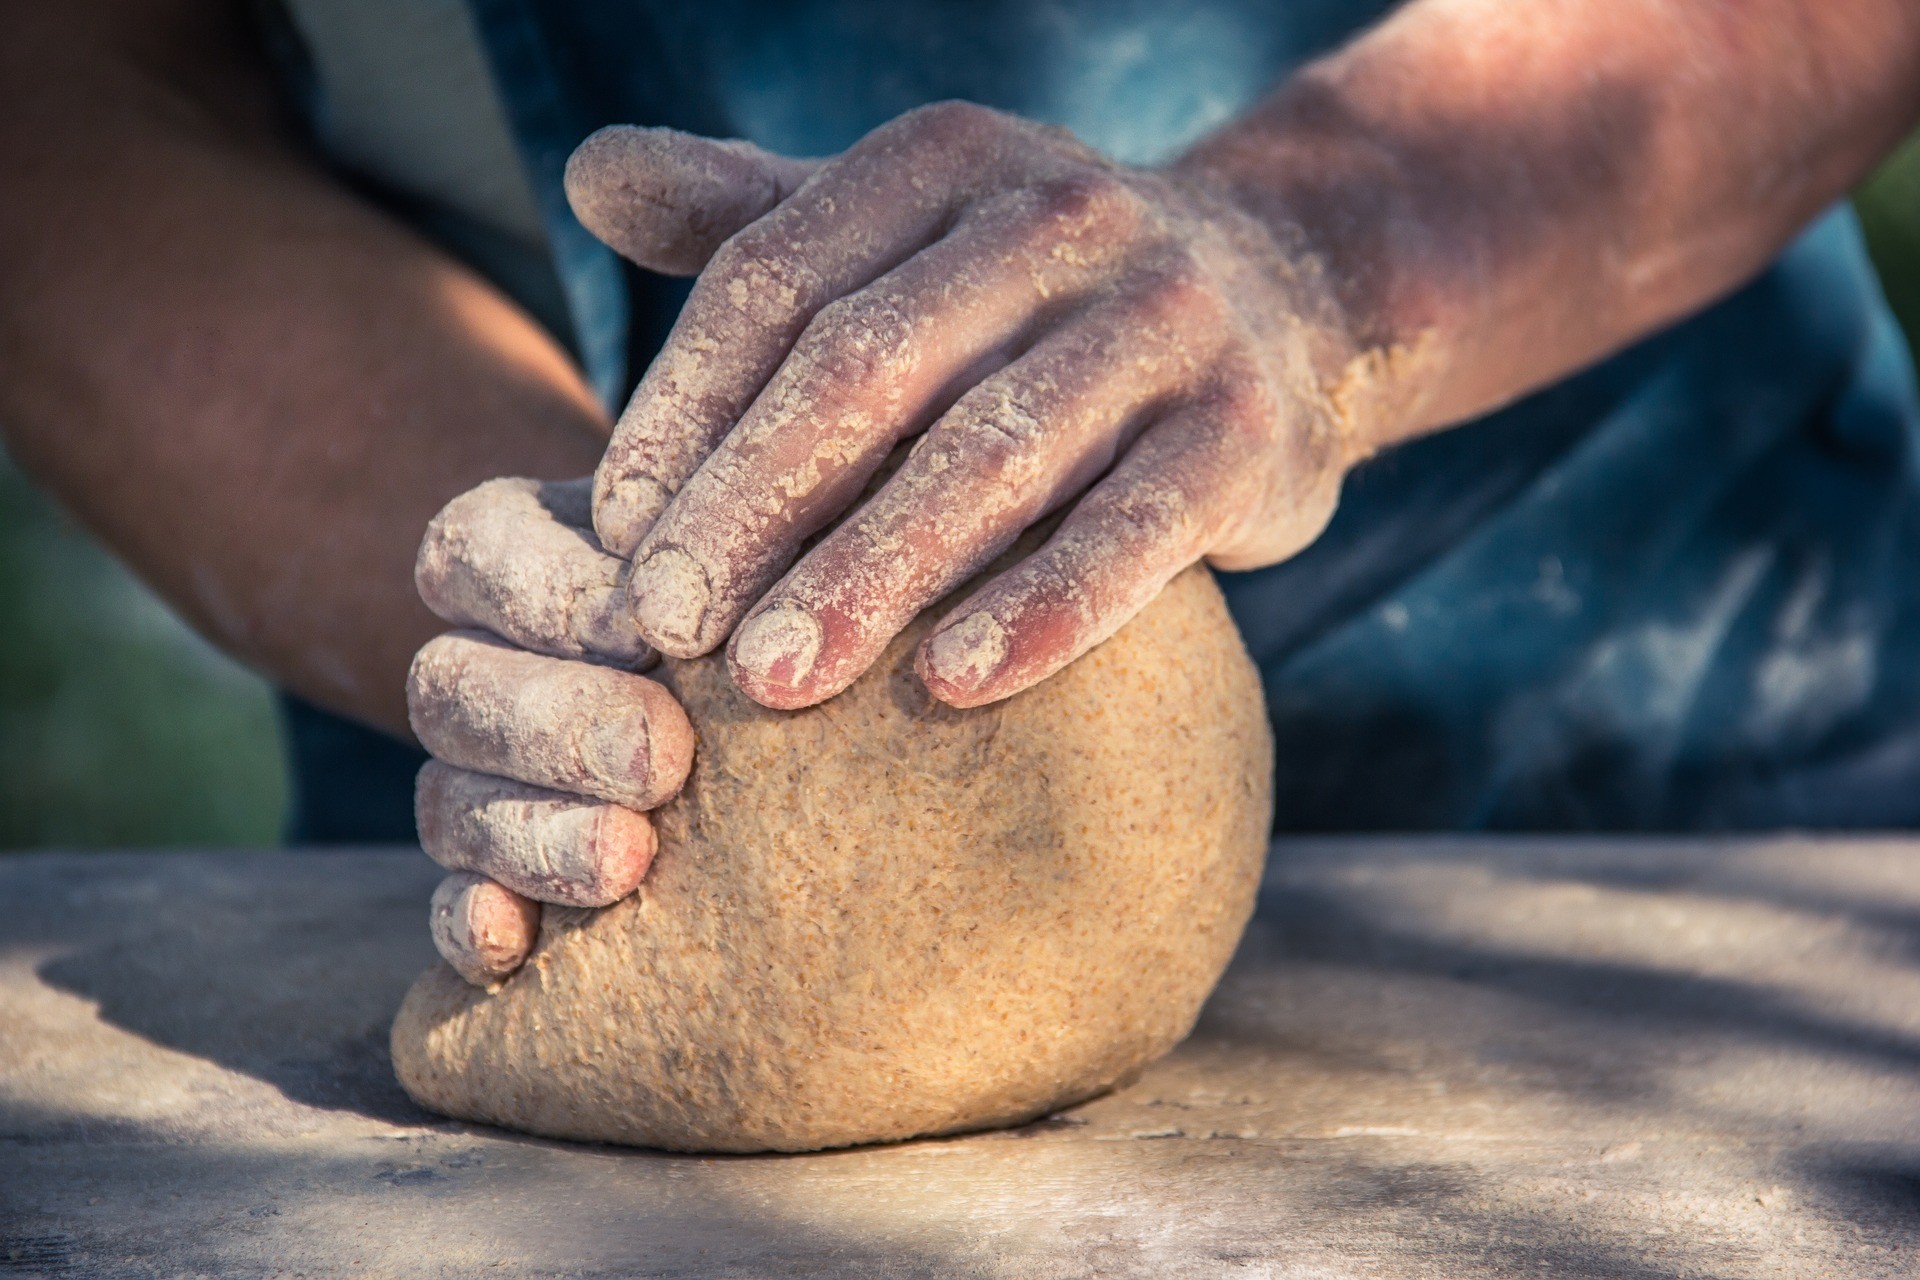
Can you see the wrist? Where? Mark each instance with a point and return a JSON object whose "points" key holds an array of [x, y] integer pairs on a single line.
{"points": [[1350, 246]]}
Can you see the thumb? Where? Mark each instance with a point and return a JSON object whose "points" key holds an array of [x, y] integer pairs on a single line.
{"points": [[666, 200]]}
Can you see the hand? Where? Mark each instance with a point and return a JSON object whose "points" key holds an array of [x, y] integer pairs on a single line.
{"points": [[1053, 328], [548, 750]]}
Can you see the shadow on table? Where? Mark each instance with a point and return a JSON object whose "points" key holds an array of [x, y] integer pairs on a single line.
{"points": [[298, 993], [462, 1201], [300, 997], [1612, 1032], [1646, 1002]]}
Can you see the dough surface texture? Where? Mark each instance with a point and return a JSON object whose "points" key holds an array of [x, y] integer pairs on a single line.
{"points": [[883, 917]]}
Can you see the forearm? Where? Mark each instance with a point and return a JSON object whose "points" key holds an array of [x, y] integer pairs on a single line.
{"points": [[255, 389], [1501, 193]]}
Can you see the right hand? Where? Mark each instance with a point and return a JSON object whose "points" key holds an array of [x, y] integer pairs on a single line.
{"points": [[548, 749], [1050, 331]]}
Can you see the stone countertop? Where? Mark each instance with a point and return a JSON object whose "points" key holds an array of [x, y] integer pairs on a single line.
{"points": [[1457, 1058]]}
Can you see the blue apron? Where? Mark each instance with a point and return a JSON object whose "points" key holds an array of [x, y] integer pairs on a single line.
{"points": [[1678, 591]]}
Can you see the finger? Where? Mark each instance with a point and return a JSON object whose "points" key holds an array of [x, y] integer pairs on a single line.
{"points": [[568, 726], [544, 845], [860, 216], [507, 557], [1010, 451], [666, 199], [1181, 490], [485, 931], [870, 370]]}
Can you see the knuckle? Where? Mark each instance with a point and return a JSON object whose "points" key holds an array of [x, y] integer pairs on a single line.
{"points": [[1179, 290], [1173, 508], [1243, 401], [434, 567], [452, 535], [857, 341], [1224, 455], [438, 676], [1240, 421], [437, 783], [444, 547], [1156, 514], [1246, 430], [1088, 200], [729, 261], [761, 275], [431, 664], [434, 804], [465, 507], [954, 123], [756, 243], [1002, 439], [1271, 476]]}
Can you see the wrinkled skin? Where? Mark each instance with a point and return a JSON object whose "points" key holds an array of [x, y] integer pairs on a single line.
{"points": [[256, 388], [1046, 326], [1470, 201]]}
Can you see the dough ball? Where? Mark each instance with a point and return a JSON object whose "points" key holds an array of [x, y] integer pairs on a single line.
{"points": [[883, 917]]}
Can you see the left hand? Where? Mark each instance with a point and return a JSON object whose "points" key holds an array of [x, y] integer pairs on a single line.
{"points": [[548, 749], [1054, 328]]}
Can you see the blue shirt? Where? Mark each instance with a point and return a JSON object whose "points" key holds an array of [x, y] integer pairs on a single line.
{"points": [[1677, 591]]}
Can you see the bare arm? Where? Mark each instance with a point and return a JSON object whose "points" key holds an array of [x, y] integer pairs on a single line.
{"points": [[1505, 192], [1469, 201], [256, 389], [1475, 198]]}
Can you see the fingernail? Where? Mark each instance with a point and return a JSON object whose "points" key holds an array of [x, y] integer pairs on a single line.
{"points": [[586, 855], [780, 645], [483, 930], [969, 652], [668, 594], [627, 510], [618, 752], [601, 625]]}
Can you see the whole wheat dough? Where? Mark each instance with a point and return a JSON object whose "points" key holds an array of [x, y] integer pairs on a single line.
{"points": [[883, 917]]}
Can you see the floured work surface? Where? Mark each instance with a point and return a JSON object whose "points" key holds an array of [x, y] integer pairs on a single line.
{"points": [[1455, 1059]]}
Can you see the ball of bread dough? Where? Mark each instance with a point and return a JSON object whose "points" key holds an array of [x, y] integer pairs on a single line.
{"points": [[883, 917]]}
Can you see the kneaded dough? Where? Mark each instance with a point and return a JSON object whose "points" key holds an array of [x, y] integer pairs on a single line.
{"points": [[884, 917]]}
